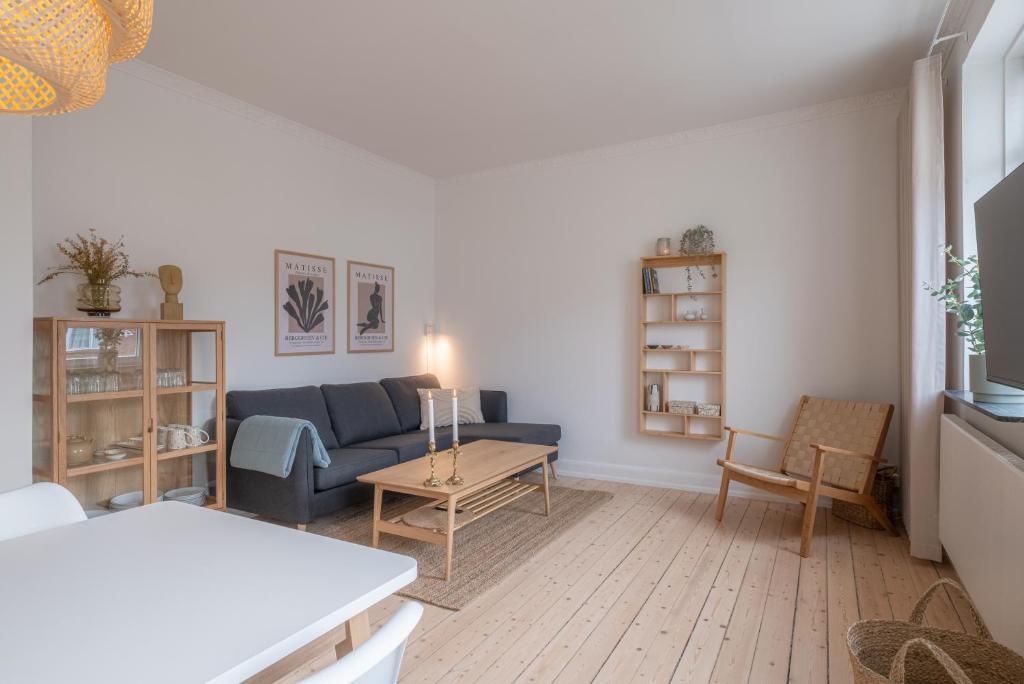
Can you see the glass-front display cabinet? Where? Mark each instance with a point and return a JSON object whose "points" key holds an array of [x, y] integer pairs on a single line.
{"points": [[128, 412]]}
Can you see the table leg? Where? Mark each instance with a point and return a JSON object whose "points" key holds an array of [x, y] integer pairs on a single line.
{"points": [[450, 541], [547, 492], [358, 631], [378, 496]]}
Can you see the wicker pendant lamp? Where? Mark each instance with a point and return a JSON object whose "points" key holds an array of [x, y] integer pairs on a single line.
{"points": [[54, 54]]}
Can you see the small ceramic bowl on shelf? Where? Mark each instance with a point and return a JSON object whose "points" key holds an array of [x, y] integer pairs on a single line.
{"points": [[114, 454]]}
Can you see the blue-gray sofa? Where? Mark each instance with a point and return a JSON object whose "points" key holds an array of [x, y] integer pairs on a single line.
{"points": [[365, 426]]}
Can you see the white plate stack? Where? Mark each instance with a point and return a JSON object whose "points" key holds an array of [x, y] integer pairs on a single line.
{"points": [[123, 502], [190, 495]]}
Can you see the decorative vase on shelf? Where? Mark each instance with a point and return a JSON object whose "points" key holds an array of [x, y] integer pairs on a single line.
{"points": [[101, 262], [654, 398], [98, 299], [990, 392]]}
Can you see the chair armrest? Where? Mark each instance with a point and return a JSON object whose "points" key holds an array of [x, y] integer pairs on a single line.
{"points": [[842, 452], [738, 431], [288, 499]]}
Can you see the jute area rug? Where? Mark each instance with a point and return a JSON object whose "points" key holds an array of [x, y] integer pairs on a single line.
{"points": [[486, 550]]}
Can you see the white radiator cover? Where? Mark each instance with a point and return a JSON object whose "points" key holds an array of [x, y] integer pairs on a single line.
{"points": [[981, 524]]}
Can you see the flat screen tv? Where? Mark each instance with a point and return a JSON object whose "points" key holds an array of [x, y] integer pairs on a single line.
{"points": [[999, 224]]}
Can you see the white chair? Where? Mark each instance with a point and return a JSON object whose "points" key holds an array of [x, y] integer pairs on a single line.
{"points": [[379, 658], [37, 507]]}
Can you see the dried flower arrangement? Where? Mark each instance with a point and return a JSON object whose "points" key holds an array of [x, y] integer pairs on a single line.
{"points": [[100, 260], [698, 241]]}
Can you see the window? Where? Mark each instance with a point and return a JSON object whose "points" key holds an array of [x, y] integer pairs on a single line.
{"points": [[992, 140], [1013, 105]]}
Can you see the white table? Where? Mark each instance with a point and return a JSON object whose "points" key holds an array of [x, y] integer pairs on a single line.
{"points": [[177, 593]]}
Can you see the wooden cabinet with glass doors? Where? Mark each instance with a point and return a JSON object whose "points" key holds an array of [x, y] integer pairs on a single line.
{"points": [[128, 412]]}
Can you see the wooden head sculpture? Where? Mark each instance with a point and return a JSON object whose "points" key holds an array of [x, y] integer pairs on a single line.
{"points": [[171, 282]]}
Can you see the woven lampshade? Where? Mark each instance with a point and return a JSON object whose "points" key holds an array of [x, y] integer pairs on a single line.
{"points": [[54, 54]]}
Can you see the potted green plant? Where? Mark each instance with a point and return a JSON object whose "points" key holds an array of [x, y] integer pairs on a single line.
{"points": [[961, 296], [101, 262]]}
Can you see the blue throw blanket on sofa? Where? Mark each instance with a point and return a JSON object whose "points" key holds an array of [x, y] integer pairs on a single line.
{"points": [[268, 444]]}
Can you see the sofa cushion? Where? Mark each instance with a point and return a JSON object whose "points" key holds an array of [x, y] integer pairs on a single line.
{"points": [[410, 445], [494, 404], [444, 399], [360, 411], [530, 433], [288, 402], [406, 400], [348, 464]]}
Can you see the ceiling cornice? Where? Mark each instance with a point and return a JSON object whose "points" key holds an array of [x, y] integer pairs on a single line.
{"points": [[849, 105], [214, 98]]}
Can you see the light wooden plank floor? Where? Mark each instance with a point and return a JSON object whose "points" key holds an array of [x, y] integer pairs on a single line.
{"points": [[650, 588]]}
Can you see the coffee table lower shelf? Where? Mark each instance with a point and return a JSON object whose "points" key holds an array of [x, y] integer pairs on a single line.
{"points": [[480, 503]]}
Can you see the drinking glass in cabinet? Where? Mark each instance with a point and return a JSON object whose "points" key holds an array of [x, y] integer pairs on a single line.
{"points": [[171, 377], [103, 360]]}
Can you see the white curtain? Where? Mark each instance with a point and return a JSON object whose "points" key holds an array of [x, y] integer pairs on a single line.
{"points": [[922, 320]]}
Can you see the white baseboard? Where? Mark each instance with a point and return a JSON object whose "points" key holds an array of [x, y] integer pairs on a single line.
{"points": [[659, 477]]}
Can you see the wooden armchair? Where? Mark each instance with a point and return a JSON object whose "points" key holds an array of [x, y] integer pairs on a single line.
{"points": [[833, 449]]}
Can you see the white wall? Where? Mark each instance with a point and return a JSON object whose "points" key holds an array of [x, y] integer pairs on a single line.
{"points": [[15, 305], [538, 285], [194, 178]]}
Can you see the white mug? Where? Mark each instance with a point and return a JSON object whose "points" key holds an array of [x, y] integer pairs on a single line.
{"points": [[177, 437], [196, 436], [185, 436]]}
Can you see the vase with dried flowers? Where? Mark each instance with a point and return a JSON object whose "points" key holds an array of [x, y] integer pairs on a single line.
{"points": [[101, 262]]}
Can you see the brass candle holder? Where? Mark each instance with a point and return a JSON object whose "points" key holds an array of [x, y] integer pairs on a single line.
{"points": [[455, 480], [433, 480]]}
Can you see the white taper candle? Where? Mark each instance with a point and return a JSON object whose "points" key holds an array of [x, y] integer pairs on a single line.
{"points": [[430, 413], [455, 415]]}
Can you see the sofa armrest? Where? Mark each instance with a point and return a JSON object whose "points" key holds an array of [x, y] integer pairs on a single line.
{"points": [[494, 405], [289, 499]]}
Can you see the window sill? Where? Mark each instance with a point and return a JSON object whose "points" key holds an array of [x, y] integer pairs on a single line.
{"points": [[1004, 413]]}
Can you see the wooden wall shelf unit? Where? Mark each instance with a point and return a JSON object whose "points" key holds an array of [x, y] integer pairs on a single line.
{"points": [[111, 384], [695, 371]]}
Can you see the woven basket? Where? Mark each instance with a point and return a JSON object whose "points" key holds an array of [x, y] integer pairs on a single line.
{"points": [[883, 651], [884, 491]]}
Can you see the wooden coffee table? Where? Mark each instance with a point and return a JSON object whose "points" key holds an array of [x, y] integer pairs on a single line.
{"points": [[488, 468]]}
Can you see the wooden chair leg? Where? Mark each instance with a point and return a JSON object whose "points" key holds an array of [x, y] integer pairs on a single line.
{"points": [[880, 516], [723, 492], [554, 471], [807, 532]]}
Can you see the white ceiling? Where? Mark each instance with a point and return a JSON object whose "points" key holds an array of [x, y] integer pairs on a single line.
{"points": [[452, 86]]}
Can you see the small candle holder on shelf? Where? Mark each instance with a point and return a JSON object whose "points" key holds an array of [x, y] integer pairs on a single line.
{"points": [[433, 480], [455, 480]]}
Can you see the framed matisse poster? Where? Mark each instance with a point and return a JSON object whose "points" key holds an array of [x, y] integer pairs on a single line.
{"points": [[371, 307], [304, 304]]}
